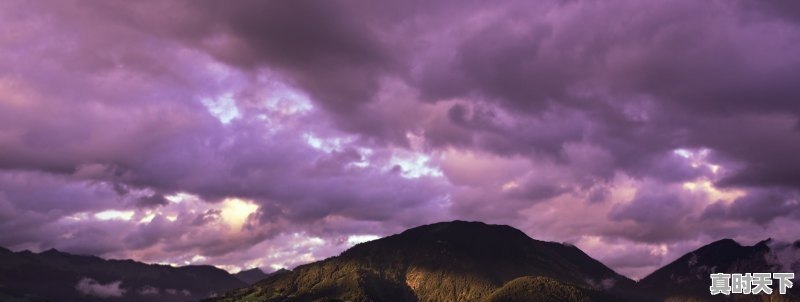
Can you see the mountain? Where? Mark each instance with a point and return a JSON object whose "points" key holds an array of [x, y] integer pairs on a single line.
{"points": [[254, 275], [251, 276], [57, 276], [448, 261], [687, 278]]}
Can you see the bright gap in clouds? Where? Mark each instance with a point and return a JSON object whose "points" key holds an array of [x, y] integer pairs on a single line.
{"points": [[179, 197], [699, 159], [223, 108], [236, 211], [714, 194], [114, 215], [326, 145], [414, 164], [356, 239], [287, 101]]}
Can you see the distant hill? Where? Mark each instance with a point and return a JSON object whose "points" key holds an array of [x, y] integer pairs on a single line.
{"points": [[687, 278], [449, 261], [256, 274], [250, 276], [56, 276]]}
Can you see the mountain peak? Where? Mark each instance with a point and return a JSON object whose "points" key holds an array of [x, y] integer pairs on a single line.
{"points": [[466, 232], [51, 251], [454, 238], [251, 276], [689, 274], [460, 227], [723, 243], [438, 262], [255, 269], [764, 244]]}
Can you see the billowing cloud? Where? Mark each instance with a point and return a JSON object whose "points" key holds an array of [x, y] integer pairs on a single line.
{"points": [[281, 130]]}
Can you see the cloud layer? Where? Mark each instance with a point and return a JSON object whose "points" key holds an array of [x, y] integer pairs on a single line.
{"points": [[275, 133]]}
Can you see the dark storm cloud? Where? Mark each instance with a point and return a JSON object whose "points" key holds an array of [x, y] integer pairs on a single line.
{"points": [[152, 201], [324, 47], [641, 85], [664, 77], [336, 58], [764, 147], [658, 212]]}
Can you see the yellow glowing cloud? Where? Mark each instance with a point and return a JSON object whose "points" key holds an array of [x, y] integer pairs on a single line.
{"points": [[714, 194], [235, 211]]}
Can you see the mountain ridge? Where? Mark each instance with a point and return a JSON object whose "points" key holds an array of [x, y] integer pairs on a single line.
{"points": [[445, 261], [90, 278]]}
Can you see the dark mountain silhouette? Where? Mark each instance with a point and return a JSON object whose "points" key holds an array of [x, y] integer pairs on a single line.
{"points": [[250, 276], [449, 261], [56, 276], [256, 274], [687, 278]]}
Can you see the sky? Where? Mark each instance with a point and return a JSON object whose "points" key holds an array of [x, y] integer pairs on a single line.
{"points": [[274, 133]]}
